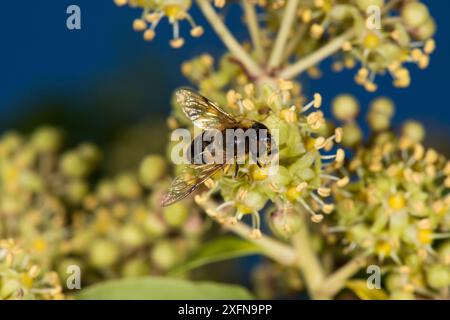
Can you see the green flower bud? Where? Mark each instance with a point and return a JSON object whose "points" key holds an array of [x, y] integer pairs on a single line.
{"points": [[136, 267], [106, 191], [364, 4], [426, 30], [152, 169], [413, 261], [176, 214], [155, 226], [284, 223], [47, 139], [164, 255], [415, 14], [132, 235], [31, 181], [11, 141], [378, 122], [352, 135], [91, 153], [103, 253], [76, 190], [414, 130], [26, 156], [438, 276], [74, 165], [127, 186], [383, 106], [345, 107], [395, 282], [250, 200]]}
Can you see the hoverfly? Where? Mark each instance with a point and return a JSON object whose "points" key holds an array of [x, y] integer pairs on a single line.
{"points": [[208, 116]]}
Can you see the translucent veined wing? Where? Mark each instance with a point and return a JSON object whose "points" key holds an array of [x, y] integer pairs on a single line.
{"points": [[204, 113], [186, 183]]}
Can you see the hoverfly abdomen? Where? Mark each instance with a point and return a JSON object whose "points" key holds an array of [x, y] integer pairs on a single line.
{"points": [[206, 148]]}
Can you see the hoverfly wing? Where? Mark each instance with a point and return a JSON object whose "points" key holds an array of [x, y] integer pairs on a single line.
{"points": [[204, 113], [187, 182]]}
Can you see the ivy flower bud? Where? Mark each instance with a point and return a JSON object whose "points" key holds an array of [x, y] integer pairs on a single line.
{"points": [[151, 169], [415, 14], [132, 235], [164, 255], [47, 139], [136, 267], [285, 223], [413, 130], [345, 107], [176, 214], [249, 200], [103, 253], [438, 276]]}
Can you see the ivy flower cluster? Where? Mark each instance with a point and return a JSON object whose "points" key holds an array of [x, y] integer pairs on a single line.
{"points": [[53, 215], [307, 158], [122, 231], [154, 11], [402, 35], [396, 208], [21, 278], [39, 182]]}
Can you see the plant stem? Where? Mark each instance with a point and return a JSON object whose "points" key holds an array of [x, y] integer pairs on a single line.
{"points": [[292, 45], [272, 248], [308, 261], [336, 281], [253, 28], [288, 18], [327, 50], [228, 39]]}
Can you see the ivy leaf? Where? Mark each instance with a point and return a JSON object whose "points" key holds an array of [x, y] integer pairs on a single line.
{"points": [[161, 288], [219, 249], [360, 288]]}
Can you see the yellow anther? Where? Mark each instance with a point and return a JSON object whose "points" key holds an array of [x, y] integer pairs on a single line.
{"points": [[255, 234], [149, 35], [324, 192], [139, 25], [327, 208], [430, 46], [347, 46], [248, 104], [177, 43], [197, 31], [317, 100], [317, 218], [343, 182], [340, 155], [338, 133]]}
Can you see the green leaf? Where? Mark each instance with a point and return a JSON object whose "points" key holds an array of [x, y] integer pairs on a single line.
{"points": [[161, 288], [360, 288], [219, 249]]}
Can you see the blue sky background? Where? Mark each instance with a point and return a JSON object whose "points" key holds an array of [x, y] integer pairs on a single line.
{"points": [[41, 59]]}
